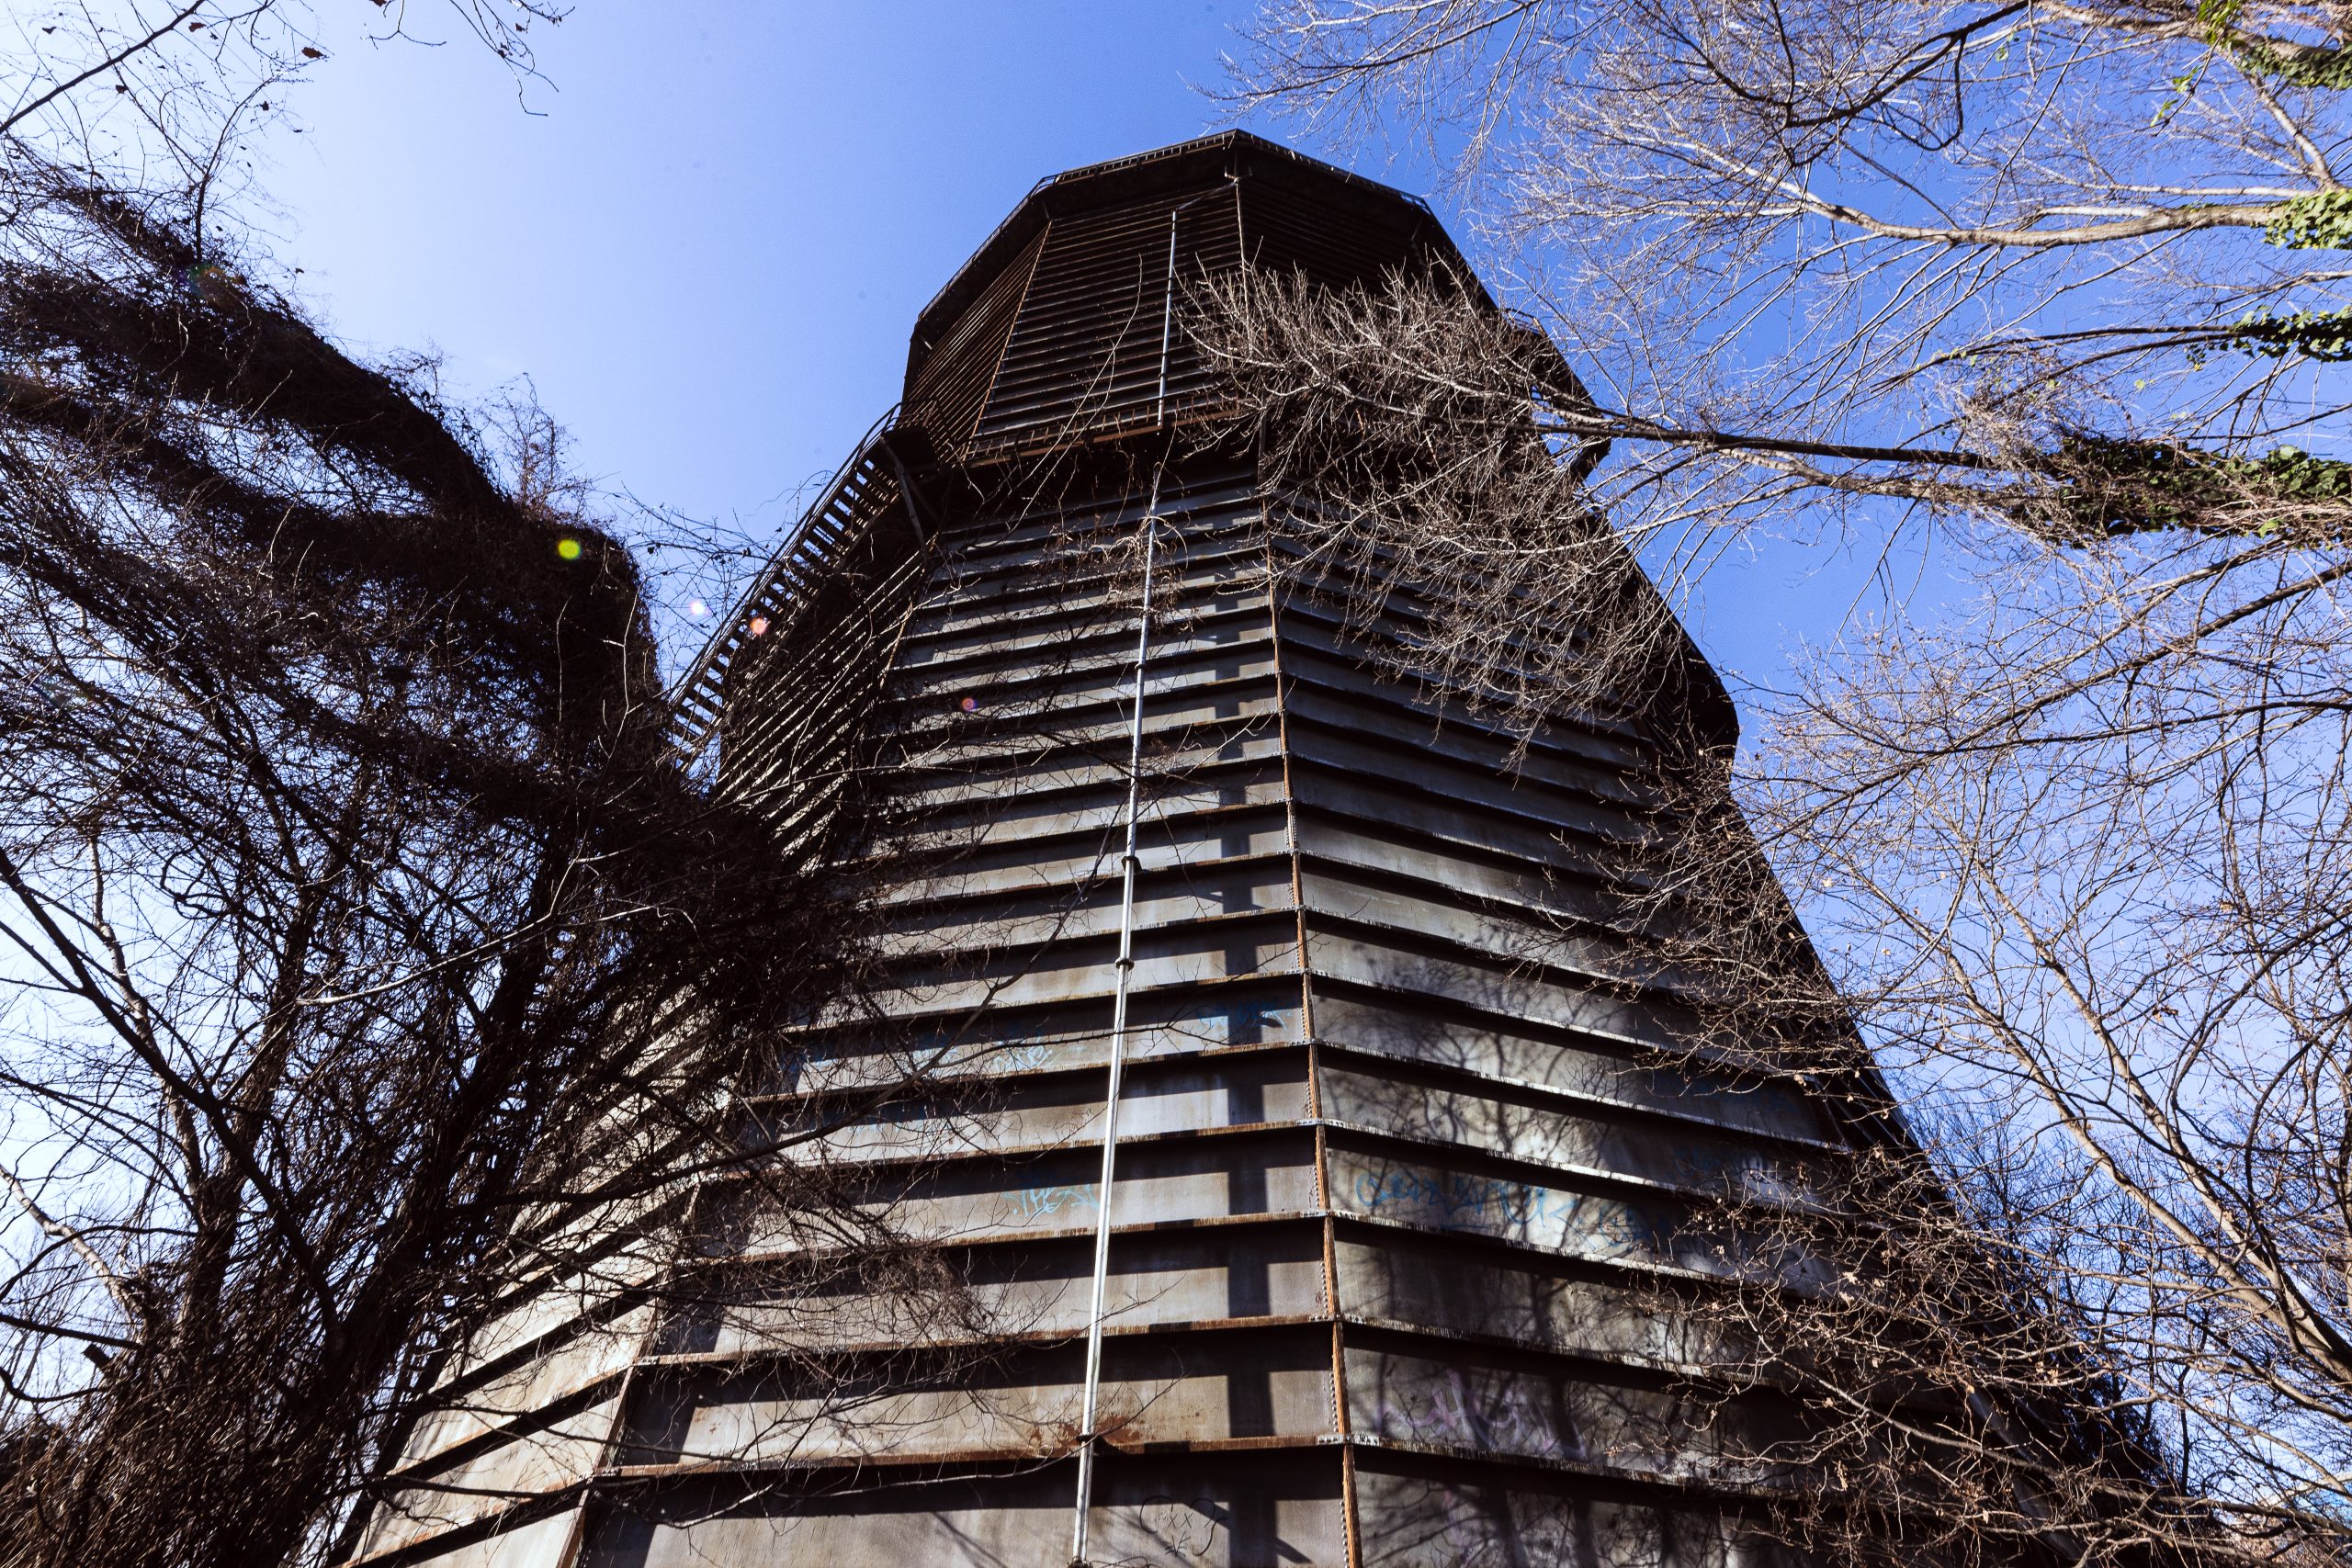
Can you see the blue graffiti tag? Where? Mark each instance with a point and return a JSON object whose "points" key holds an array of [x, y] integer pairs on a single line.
{"points": [[1034, 1203]]}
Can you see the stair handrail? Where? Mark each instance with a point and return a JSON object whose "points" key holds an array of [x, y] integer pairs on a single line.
{"points": [[694, 719]]}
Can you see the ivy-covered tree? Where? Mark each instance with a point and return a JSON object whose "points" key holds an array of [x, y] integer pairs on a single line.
{"points": [[368, 956]]}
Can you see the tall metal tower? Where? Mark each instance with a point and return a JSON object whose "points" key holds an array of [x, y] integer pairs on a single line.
{"points": [[1229, 929]]}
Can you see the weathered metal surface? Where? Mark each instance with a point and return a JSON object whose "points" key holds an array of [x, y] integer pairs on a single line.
{"points": [[1391, 1160], [1245, 1508]]}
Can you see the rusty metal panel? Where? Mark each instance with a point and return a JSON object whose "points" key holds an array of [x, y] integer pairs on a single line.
{"points": [[1184, 817], [1323, 657], [1001, 1042], [1559, 891], [1036, 913], [1445, 1518], [1155, 1389], [1025, 1291], [1374, 959], [1158, 1183], [595, 1353], [944, 397], [1391, 720], [1378, 802], [1466, 785], [1531, 1406], [1253, 1511], [548, 1457], [537, 1543], [1506, 1047], [1458, 915], [1056, 1192], [1182, 1096], [1077, 362], [1430, 1195], [1429, 1283], [1068, 971], [1522, 1126]]}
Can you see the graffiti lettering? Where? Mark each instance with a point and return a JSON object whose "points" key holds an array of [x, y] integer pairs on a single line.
{"points": [[1023, 1055], [1034, 1203]]}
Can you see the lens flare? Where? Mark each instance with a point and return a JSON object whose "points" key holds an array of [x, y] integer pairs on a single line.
{"points": [[697, 609], [568, 548], [970, 705], [758, 625]]}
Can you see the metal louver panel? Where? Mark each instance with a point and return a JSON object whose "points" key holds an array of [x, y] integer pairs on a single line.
{"points": [[946, 397], [1084, 359]]}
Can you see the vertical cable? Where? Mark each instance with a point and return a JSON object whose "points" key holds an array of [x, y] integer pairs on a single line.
{"points": [[1126, 962], [1167, 318], [1125, 966]]}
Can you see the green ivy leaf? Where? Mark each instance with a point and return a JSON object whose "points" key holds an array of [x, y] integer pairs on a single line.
{"points": [[2319, 222], [2313, 334]]}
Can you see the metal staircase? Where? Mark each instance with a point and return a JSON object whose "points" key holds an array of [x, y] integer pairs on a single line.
{"points": [[815, 628]]}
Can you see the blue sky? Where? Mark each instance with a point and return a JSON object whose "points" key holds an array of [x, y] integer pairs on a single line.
{"points": [[706, 235], [708, 245]]}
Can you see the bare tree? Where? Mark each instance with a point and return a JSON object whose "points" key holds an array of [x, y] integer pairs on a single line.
{"points": [[2038, 306], [370, 959]]}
